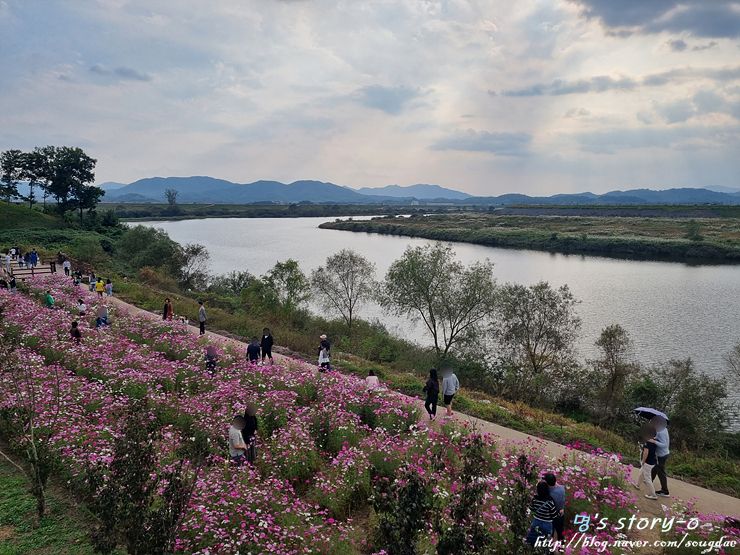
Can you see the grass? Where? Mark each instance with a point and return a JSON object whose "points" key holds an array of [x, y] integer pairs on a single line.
{"points": [[656, 238], [16, 216], [64, 530]]}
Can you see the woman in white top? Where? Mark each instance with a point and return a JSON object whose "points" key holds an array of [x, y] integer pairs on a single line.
{"points": [[372, 382]]}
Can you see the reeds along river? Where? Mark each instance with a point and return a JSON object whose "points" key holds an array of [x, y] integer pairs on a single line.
{"points": [[671, 310]]}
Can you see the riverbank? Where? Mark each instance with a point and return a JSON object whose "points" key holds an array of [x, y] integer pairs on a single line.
{"points": [[708, 240]]}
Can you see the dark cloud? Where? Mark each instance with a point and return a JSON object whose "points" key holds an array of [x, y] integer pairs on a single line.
{"points": [[701, 103], [391, 100], [676, 137], [121, 72], [701, 18], [707, 46], [604, 83], [678, 45], [505, 144]]}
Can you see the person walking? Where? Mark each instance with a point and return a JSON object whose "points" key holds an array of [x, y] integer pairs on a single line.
{"points": [[100, 287], [266, 344], [67, 266], [8, 263], [450, 386], [249, 432], [202, 317], [91, 281], [109, 288], [544, 511], [662, 451], [648, 460], [253, 351], [324, 354], [75, 333], [557, 492], [167, 311], [34, 258], [431, 388]]}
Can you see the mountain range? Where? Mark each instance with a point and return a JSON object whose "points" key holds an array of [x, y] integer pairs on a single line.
{"points": [[209, 190]]}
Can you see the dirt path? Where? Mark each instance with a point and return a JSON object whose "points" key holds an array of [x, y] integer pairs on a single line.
{"points": [[707, 501]]}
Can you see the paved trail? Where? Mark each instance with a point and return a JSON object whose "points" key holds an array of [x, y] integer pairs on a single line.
{"points": [[707, 501]]}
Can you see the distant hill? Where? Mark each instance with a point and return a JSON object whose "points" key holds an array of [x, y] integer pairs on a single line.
{"points": [[111, 185], [420, 192], [209, 190]]}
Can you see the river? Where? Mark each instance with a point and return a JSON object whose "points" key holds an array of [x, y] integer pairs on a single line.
{"points": [[671, 310]]}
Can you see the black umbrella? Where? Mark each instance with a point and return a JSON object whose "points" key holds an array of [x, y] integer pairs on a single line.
{"points": [[648, 413]]}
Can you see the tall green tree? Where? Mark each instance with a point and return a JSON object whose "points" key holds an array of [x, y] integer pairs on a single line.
{"points": [[289, 284], [452, 300], [613, 369], [11, 172], [343, 283]]}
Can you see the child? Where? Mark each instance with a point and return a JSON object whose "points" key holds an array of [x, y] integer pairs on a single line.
{"points": [[432, 390], [81, 307], [109, 288], [648, 460], [558, 496], [544, 511], [266, 345], [324, 354], [372, 382], [253, 351], [237, 447], [211, 359], [74, 332]]}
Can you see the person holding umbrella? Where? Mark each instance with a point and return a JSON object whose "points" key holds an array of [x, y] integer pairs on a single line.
{"points": [[659, 421]]}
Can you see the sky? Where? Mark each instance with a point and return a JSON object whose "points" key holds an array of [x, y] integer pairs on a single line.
{"points": [[484, 96]]}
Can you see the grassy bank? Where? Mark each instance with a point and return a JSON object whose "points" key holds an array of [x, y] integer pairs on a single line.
{"points": [[64, 530], [714, 240]]}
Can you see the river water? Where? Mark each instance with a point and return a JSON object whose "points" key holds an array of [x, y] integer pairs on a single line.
{"points": [[671, 310]]}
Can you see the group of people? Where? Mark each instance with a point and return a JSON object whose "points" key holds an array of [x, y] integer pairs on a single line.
{"points": [[29, 259], [449, 387], [261, 347], [654, 451], [243, 437]]}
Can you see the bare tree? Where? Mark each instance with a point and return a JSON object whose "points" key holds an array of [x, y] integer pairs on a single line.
{"points": [[453, 301], [171, 196], [732, 361], [343, 283]]}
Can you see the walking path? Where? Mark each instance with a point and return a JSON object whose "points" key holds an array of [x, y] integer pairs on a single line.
{"points": [[706, 501]]}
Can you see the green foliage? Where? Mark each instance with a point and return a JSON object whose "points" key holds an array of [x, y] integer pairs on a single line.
{"points": [[289, 284], [515, 503], [403, 506]]}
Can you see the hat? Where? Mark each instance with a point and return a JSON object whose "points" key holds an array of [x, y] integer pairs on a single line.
{"points": [[322, 336]]}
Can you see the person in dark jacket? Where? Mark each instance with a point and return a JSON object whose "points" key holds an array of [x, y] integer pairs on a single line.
{"points": [[253, 351], [211, 359], [432, 390], [75, 333], [249, 432], [266, 344], [324, 354], [167, 311], [544, 512]]}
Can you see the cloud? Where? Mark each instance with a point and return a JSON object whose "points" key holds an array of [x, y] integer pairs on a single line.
{"points": [[121, 72], [504, 144], [701, 103], [391, 100], [677, 45], [677, 138], [701, 18], [603, 83], [707, 46]]}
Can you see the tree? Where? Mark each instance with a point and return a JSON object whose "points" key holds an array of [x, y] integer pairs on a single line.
{"points": [[344, 282], [429, 284], [613, 369], [289, 283], [11, 168], [732, 361], [194, 266], [171, 196], [35, 173], [536, 328]]}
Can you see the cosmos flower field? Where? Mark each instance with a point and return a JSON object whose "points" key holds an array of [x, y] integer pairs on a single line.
{"points": [[328, 451]]}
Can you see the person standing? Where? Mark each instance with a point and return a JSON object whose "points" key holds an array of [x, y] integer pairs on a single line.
{"points": [[109, 288], [544, 511], [557, 492], [34, 258], [253, 351], [91, 281], [67, 265], [167, 311], [13, 286], [324, 354], [431, 388], [648, 460], [8, 263], [249, 432], [202, 317], [371, 381], [75, 333], [266, 344], [237, 447], [12, 253], [662, 451], [450, 386], [100, 287]]}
